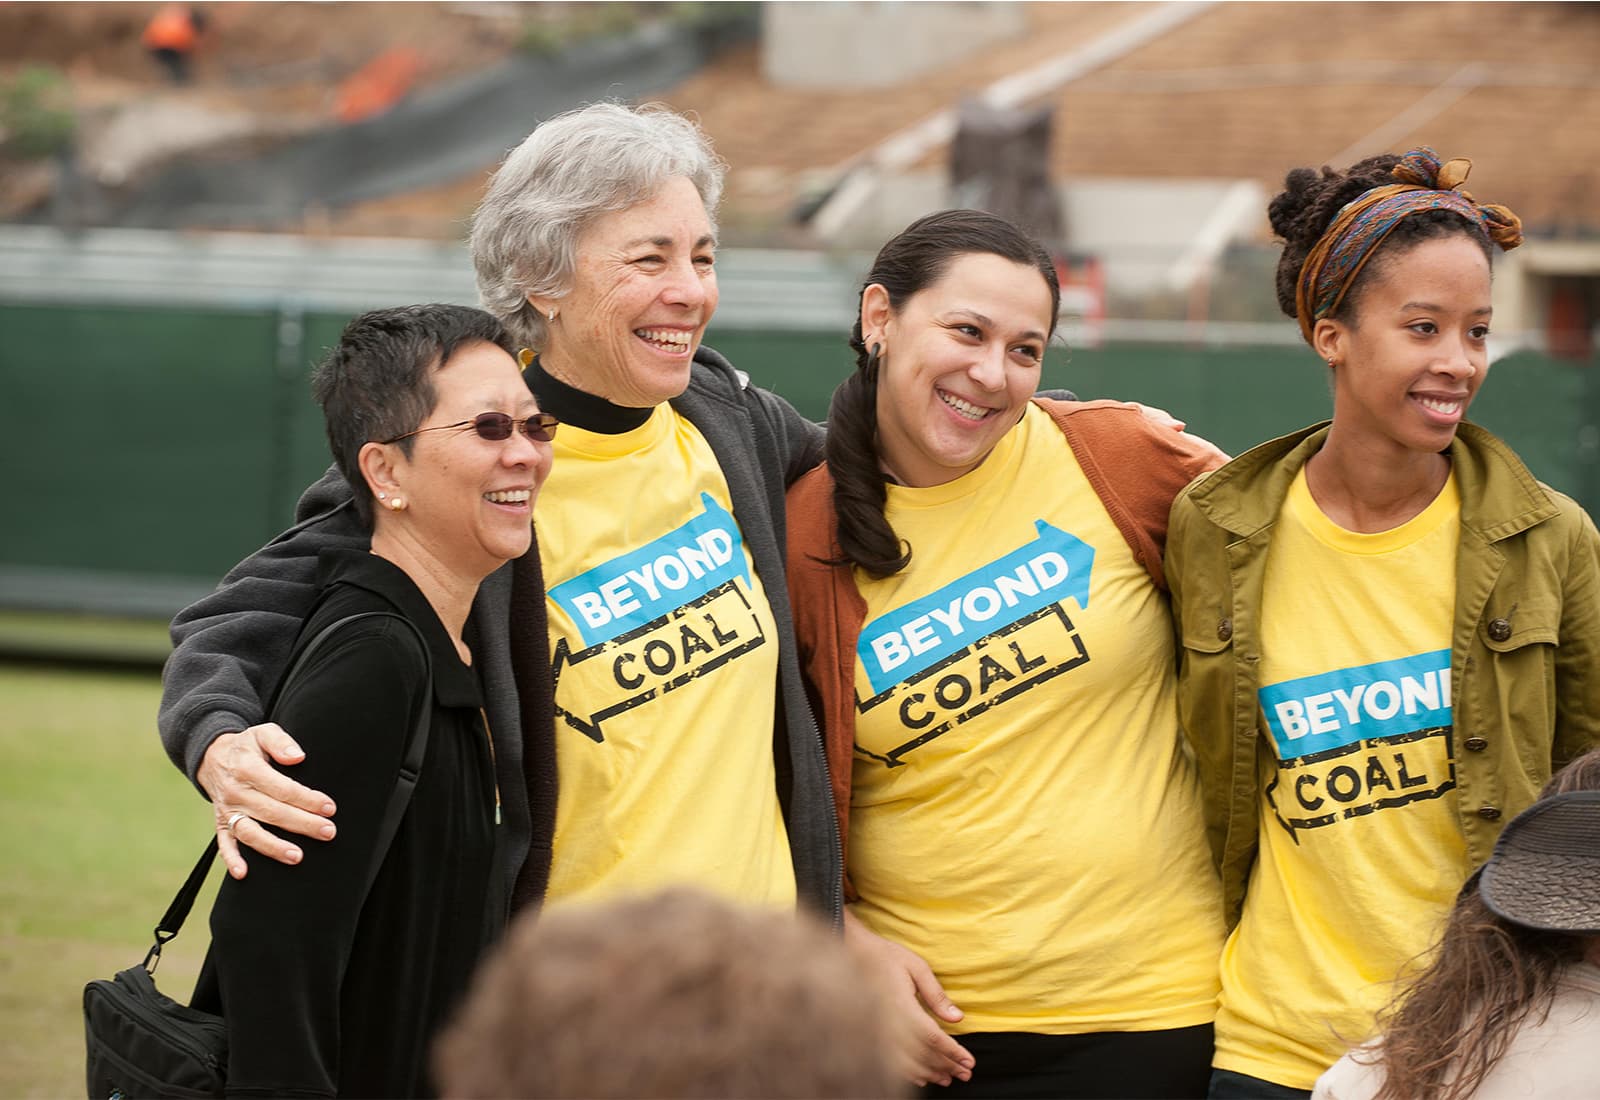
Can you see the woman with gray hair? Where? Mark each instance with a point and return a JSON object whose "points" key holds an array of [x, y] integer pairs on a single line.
{"points": [[664, 692]]}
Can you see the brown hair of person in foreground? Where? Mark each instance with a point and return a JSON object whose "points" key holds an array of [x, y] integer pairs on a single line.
{"points": [[1489, 976], [674, 995]]}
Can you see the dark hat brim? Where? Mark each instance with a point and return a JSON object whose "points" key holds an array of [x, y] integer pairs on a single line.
{"points": [[1545, 871]]}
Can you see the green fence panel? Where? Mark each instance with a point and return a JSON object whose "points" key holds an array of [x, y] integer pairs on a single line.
{"points": [[1235, 397], [136, 440], [145, 444], [1546, 410], [801, 367]]}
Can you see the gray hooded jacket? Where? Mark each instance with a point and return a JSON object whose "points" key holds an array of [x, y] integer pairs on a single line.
{"points": [[231, 647]]}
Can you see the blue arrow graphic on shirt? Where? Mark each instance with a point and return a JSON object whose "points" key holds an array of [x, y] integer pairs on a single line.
{"points": [[640, 586], [1053, 567]]}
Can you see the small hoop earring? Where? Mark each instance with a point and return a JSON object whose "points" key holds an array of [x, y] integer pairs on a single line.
{"points": [[550, 315], [1332, 365]]}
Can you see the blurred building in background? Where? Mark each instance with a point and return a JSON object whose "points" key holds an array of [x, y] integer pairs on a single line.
{"points": [[202, 242]]}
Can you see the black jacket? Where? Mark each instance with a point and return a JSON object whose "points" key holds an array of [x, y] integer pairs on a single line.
{"points": [[328, 989]]}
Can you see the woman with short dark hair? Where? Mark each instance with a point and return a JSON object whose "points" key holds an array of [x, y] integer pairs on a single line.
{"points": [[644, 650], [329, 985]]}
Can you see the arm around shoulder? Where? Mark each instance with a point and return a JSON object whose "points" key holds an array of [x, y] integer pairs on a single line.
{"points": [[230, 647], [1137, 466], [797, 439]]}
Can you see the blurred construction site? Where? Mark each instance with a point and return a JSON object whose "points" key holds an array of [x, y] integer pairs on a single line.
{"points": [[183, 232]]}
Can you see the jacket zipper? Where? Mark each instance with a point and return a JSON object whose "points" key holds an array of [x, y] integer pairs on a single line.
{"points": [[494, 769]]}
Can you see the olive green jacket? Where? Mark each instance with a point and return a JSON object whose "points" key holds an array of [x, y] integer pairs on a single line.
{"points": [[1524, 654]]}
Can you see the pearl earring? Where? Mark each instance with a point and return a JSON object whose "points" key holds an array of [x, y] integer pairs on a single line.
{"points": [[397, 504]]}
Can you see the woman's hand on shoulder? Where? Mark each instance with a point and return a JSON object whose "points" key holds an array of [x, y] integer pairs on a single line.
{"points": [[1161, 418], [924, 1054], [248, 792]]}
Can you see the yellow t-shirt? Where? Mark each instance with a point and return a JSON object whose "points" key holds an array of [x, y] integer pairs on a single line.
{"points": [[1361, 849], [666, 665], [1025, 815]]}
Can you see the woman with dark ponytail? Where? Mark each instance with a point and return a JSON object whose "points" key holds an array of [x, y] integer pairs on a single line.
{"points": [[1390, 630], [980, 608]]}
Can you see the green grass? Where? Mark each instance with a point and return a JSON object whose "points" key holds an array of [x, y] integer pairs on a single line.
{"points": [[99, 830], [142, 641]]}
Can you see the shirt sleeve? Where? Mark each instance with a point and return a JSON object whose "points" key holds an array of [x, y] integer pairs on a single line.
{"points": [[230, 647], [1144, 465], [282, 937]]}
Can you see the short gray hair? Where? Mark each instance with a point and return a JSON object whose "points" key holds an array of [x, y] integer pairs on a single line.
{"points": [[569, 171]]}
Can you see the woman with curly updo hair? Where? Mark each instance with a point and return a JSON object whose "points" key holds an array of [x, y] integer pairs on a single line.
{"points": [[980, 610], [1388, 625]]}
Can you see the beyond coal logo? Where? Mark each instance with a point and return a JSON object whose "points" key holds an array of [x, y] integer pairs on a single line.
{"points": [[655, 619], [978, 641], [1358, 740]]}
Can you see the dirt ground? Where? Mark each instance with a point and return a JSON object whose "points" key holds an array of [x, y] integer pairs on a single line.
{"points": [[262, 71], [253, 49], [270, 69]]}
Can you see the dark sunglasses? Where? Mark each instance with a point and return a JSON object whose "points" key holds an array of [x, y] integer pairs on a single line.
{"points": [[496, 427]]}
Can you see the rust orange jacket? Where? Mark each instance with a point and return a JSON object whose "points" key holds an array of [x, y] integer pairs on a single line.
{"points": [[1135, 466]]}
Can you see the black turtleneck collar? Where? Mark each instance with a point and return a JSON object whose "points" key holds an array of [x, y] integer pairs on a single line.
{"points": [[581, 410]]}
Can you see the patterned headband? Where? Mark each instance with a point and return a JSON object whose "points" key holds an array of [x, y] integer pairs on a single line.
{"points": [[1365, 222]]}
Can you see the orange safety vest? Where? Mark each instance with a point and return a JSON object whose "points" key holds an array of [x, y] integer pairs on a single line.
{"points": [[171, 29], [378, 85]]}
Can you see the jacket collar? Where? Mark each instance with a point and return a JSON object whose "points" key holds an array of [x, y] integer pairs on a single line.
{"points": [[711, 378], [1499, 496]]}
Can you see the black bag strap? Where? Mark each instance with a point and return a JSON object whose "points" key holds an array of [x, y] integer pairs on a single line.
{"points": [[171, 922]]}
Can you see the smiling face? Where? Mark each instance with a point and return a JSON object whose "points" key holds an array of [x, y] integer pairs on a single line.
{"points": [[470, 500], [643, 292], [960, 360], [1409, 366]]}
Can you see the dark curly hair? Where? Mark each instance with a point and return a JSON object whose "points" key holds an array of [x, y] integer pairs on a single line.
{"points": [[1309, 202], [912, 261]]}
